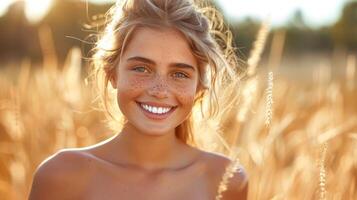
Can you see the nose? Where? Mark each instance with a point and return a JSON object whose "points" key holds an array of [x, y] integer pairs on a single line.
{"points": [[159, 87]]}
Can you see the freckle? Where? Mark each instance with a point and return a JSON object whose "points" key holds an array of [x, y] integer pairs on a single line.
{"points": [[136, 84]]}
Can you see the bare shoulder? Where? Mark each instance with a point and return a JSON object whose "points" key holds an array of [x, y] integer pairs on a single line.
{"points": [[60, 176], [237, 184]]}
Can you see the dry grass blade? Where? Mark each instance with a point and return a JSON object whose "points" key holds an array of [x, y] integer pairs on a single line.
{"points": [[258, 48]]}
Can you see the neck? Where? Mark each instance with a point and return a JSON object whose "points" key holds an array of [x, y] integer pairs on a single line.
{"points": [[150, 152]]}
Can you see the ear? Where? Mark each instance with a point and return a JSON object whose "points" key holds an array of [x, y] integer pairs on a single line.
{"points": [[199, 88], [113, 80]]}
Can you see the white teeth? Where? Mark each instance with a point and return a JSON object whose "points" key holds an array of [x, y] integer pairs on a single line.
{"points": [[156, 110]]}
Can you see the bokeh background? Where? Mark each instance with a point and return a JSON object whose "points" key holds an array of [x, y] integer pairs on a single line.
{"points": [[295, 127]]}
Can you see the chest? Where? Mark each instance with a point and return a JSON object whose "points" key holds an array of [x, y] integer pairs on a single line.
{"points": [[126, 184]]}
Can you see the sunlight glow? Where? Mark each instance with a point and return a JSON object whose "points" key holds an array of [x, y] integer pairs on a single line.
{"points": [[280, 11], [4, 4], [36, 9]]}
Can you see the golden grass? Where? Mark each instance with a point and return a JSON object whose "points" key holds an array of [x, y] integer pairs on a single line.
{"points": [[307, 151]]}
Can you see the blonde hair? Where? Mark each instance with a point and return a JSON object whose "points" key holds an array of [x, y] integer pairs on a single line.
{"points": [[200, 23]]}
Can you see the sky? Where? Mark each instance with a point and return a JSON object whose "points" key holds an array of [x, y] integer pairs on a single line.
{"points": [[316, 12]]}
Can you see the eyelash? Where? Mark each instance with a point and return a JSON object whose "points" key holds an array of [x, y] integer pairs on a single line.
{"points": [[183, 74]]}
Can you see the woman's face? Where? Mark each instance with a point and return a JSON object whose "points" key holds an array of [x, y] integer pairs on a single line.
{"points": [[157, 73]]}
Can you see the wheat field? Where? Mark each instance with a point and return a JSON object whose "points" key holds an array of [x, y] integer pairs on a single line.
{"points": [[296, 141]]}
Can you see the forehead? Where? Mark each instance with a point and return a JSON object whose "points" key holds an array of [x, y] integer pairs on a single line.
{"points": [[164, 44]]}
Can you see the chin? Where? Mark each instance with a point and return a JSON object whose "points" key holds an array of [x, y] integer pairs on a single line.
{"points": [[151, 131]]}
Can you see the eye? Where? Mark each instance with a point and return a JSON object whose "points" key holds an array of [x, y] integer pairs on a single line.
{"points": [[140, 69], [180, 75]]}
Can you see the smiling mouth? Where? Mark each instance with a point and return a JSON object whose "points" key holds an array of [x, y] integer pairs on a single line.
{"points": [[156, 113]]}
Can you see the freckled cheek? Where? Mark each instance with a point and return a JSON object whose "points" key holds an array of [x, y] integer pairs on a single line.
{"points": [[131, 87], [185, 95], [132, 83]]}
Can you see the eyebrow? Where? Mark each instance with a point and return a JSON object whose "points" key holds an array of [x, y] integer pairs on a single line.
{"points": [[147, 60]]}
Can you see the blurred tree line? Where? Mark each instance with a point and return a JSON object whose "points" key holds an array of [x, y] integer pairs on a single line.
{"points": [[67, 21], [301, 38]]}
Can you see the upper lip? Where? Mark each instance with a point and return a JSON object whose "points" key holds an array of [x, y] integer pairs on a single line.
{"points": [[156, 104]]}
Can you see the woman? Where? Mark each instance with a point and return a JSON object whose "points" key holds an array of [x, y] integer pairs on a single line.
{"points": [[161, 59]]}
